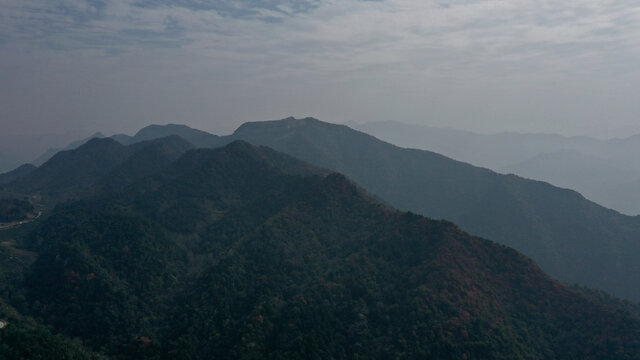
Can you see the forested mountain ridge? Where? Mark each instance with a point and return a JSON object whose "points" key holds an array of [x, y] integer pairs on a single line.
{"points": [[72, 146], [196, 137], [97, 163], [598, 169], [23, 338], [571, 238], [243, 252], [16, 173], [71, 171], [13, 209]]}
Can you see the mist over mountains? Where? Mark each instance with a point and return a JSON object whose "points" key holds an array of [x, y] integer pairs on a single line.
{"points": [[571, 238], [16, 150], [604, 171], [243, 251], [147, 210]]}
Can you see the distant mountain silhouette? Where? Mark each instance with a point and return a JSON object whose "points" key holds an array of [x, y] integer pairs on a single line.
{"points": [[595, 178], [198, 138], [570, 237], [101, 162], [71, 171], [16, 150], [148, 157], [16, 173], [74, 145], [494, 151], [244, 252], [591, 166]]}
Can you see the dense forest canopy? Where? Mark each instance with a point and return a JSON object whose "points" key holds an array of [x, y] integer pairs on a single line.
{"points": [[244, 252], [14, 209]]}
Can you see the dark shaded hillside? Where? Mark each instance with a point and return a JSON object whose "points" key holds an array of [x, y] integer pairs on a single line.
{"points": [[102, 273], [196, 137], [148, 158], [23, 338], [16, 173], [71, 171], [242, 252], [72, 146], [14, 210], [570, 237], [100, 163]]}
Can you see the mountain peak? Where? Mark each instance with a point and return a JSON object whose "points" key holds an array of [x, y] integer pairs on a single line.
{"points": [[240, 145], [196, 137], [151, 131], [241, 152], [305, 119], [97, 134], [97, 143], [277, 126]]}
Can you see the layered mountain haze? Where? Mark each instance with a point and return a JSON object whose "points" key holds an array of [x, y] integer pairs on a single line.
{"points": [[16, 150], [7, 163], [15, 156], [570, 237], [245, 252], [598, 179], [16, 173], [595, 168], [625, 195], [71, 171], [573, 169], [99, 162], [73, 145], [147, 158], [196, 137], [143, 217]]}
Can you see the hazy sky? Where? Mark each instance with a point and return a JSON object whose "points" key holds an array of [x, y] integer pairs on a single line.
{"points": [[571, 67]]}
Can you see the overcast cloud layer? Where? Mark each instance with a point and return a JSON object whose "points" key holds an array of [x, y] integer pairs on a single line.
{"points": [[571, 67]]}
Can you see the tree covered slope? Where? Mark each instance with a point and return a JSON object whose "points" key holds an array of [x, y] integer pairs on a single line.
{"points": [[570, 237], [243, 252]]}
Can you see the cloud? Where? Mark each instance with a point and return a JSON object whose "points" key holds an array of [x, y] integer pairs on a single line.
{"points": [[376, 48], [405, 35]]}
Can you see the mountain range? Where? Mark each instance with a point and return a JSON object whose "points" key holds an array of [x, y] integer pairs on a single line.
{"points": [[16, 150], [604, 171], [571, 238], [245, 252]]}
